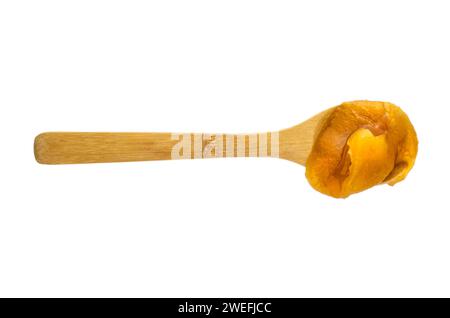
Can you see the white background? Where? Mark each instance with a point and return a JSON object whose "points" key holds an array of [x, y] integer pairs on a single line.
{"points": [[224, 227]]}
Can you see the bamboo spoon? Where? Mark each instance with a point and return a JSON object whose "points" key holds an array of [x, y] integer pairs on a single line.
{"points": [[295, 144]]}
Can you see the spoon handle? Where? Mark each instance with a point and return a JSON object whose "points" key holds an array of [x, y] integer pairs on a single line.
{"points": [[92, 147]]}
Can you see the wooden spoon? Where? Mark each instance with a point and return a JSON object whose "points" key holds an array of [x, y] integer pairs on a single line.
{"points": [[293, 144], [346, 149]]}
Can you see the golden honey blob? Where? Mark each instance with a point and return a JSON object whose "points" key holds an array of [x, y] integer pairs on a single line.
{"points": [[361, 144]]}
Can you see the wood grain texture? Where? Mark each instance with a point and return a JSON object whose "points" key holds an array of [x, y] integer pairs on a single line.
{"points": [[292, 144], [79, 147]]}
